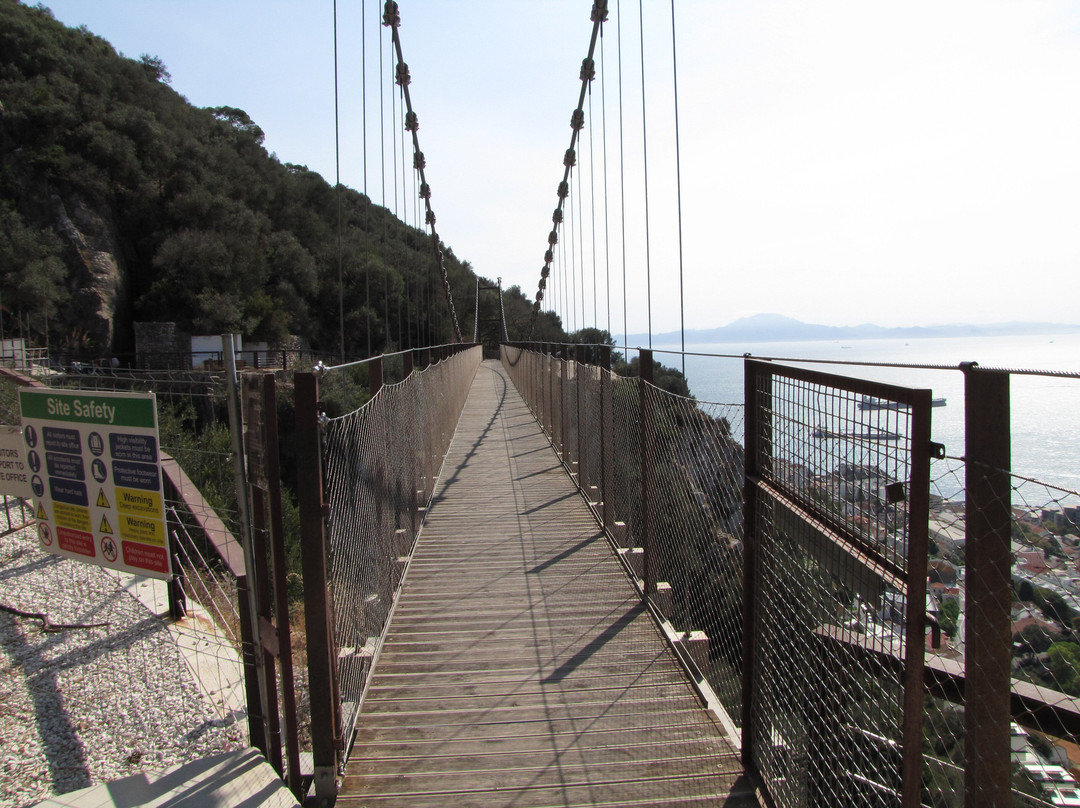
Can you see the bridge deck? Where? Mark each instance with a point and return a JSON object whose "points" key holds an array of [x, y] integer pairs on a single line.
{"points": [[520, 669]]}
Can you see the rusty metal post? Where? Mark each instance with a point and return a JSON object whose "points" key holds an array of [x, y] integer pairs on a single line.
{"points": [[375, 376], [281, 585], [322, 673], [648, 441], [915, 629], [580, 375], [549, 388], [607, 463], [256, 712], [756, 463], [268, 635], [989, 588], [564, 436]]}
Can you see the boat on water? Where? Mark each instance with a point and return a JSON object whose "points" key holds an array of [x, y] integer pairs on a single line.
{"points": [[871, 403], [867, 434]]}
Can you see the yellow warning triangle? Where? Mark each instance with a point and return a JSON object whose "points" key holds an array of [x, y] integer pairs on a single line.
{"points": [[105, 526], [102, 500], [41, 512]]}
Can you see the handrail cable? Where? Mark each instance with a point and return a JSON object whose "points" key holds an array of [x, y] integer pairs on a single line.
{"points": [[588, 71], [392, 19]]}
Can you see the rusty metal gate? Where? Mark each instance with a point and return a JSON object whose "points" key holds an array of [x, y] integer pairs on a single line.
{"points": [[837, 490]]}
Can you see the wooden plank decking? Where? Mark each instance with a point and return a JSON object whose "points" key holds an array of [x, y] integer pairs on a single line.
{"points": [[520, 669]]}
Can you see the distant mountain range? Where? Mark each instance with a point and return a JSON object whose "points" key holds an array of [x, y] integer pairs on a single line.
{"points": [[777, 328]]}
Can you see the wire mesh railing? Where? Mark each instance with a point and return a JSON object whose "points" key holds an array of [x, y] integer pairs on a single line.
{"points": [[381, 463], [994, 628], [673, 511]]}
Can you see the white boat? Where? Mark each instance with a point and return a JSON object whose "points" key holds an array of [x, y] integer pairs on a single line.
{"points": [[871, 403]]}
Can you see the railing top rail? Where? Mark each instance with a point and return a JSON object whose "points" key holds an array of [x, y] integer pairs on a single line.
{"points": [[326, 368], [1063, 374]]}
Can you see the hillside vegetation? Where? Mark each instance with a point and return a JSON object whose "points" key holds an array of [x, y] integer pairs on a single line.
{"points": [[121, 202]]}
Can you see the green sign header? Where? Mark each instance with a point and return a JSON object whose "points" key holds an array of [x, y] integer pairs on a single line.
{"points": [[115, 410]]}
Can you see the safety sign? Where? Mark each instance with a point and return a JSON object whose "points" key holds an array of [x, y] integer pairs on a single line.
{"points": [[96, 478]]}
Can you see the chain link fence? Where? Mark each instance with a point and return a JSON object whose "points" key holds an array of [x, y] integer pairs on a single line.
{"points": [[113, 672]]}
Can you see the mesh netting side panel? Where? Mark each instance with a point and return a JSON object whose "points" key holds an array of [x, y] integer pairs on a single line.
{"points": [[698, 490], [381, 462], [626, 459], [830, 595]]}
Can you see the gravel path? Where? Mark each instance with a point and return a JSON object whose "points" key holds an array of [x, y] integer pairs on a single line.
{"points": [[84, 706]]}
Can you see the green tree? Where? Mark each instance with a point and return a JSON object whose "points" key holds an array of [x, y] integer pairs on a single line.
{"points": [[1065, 667]]}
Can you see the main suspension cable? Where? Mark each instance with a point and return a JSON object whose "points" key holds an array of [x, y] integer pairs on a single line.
{"points": [[392, 19], [577, 121]]}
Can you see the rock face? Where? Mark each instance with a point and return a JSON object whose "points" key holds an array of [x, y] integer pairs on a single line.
{"points": [[95, 275]]}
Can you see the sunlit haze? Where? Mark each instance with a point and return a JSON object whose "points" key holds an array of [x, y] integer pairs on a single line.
{"points": [[842, 162]]}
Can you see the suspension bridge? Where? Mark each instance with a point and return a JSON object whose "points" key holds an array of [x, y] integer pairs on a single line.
{"points": [[532, 581]]}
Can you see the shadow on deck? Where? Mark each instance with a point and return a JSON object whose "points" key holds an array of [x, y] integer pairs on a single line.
{"points": [[520, 668]]}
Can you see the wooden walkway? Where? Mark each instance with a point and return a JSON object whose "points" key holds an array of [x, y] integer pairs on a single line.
{"points": [[520, 669]]}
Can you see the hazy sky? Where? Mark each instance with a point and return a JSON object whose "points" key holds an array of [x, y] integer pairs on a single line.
{"points": [[842, 161]]}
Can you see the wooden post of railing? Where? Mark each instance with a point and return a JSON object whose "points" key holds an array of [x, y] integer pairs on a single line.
{"points": [[407, 364], [648, 433], [322, 673], [580, 376], [989, 588], [607, 465]]}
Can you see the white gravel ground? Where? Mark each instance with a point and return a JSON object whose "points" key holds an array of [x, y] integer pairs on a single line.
{"points": [[84, 706]]}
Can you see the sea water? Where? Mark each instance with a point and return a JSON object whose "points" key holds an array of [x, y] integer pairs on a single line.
{"points": [[1044, 410]]}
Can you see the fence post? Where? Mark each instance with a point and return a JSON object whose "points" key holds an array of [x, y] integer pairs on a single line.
{"points": [[757, 461], [407, 364], [322, 676], [258, 668], [607, 465], [375, 376], [281, 594], [564, 436], [648, 433], [579, 386], [989, 588]]}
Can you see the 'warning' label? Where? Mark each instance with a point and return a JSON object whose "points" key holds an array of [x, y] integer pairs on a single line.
{"points": [[148, 531], [139, 503]]}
